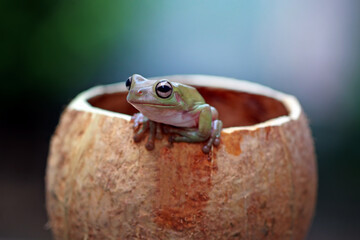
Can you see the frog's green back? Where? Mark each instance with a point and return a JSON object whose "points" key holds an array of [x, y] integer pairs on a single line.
{"points": [[190, 95]]}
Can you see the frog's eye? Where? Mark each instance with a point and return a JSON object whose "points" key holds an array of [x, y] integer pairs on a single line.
{"points": [[164, 89], [128, 83]]}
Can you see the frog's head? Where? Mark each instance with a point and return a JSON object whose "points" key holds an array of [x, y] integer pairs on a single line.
{"points": [[146, 93]]}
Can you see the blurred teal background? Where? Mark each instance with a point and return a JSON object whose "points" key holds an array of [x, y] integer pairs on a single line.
{"points": [[51, 50]]}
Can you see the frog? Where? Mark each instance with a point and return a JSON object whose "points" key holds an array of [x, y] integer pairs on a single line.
{"points": [[172, 108]]}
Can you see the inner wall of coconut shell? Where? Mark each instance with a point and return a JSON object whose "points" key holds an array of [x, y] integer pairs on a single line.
{"points": [[235, 108]]}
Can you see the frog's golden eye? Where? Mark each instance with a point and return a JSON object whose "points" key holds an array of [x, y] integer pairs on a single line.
{"points": [[128, 83], [164, 89]]}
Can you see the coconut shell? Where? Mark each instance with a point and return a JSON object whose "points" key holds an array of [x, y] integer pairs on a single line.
{"points": [[260, 183]]}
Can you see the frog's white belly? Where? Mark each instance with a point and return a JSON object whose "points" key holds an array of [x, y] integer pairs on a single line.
{"points": [[171, 117]]}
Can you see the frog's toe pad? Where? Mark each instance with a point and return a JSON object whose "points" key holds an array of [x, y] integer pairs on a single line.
{"points": [[206, 149], [137, 138], [216, 142], [166, 129], [149, 146], [171, 139]]}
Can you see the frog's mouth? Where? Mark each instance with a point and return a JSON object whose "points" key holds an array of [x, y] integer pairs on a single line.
{"points": [[153, 104]]}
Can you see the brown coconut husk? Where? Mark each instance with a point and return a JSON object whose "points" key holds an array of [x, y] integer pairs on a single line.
{"points": [[260, 183]]}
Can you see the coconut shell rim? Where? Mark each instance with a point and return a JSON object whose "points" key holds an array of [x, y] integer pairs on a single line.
{"points": [[290, 102]]}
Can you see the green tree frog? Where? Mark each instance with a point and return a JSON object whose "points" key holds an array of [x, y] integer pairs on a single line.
{"points": [[174, 108]]}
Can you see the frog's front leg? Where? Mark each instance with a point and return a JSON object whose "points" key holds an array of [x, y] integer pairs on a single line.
{"points": [[146, 124]]}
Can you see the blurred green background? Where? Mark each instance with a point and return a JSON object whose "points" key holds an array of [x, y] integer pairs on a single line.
{"points": [[51, 50]]}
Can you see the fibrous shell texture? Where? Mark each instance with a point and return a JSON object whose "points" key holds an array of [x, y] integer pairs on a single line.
{"points": [[260, 183]]}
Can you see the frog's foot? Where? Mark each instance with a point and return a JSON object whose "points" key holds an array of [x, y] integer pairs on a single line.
{"points": [[137, 118], [146, 124], [214, 139], [186, 134], [140, 120], [192, 135]]}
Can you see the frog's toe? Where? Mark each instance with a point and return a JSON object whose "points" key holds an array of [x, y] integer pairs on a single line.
{"points": [[171, 139], [216, 142], [135, 126], [159, 136], [137, 138], [136, 119], [158, 133], [165, 129], [206, 149], [149, 146]]}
